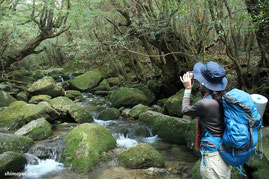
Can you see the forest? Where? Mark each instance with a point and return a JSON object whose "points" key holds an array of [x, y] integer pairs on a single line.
{"points": [[132, 42]]}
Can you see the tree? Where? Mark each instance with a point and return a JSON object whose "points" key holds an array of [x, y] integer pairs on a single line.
{"points": [[50, 18]]}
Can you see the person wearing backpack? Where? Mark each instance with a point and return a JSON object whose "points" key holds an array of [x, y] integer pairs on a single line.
{"points": [[209, 111]]}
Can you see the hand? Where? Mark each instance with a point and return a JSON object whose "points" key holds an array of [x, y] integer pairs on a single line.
{"points": [[186, 80]]}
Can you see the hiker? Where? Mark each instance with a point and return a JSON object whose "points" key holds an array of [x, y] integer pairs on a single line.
{"points": [[209, 111]]}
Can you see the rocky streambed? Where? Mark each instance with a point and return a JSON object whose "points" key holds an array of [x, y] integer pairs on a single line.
{"points": [[58, 130]]}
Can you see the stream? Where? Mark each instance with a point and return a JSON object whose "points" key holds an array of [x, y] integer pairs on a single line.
{"points": [[44, 157]]}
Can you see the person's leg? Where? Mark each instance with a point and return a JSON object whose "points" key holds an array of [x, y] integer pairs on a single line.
{"points": [[213, 167]]}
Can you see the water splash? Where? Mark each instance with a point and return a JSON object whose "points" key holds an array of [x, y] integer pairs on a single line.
{"points": [[43, 167], [151, 140], [102, 122], [123, 141]]}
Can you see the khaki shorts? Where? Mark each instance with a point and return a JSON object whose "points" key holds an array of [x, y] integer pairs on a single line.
{"points": [[214, 167]]}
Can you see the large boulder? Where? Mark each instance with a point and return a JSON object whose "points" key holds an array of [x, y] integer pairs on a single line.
{"points": [[103, 86], [109, 114], [6, 99], [172, 129], [37, 129], [66, 107], [20, 113], [13, 117], [127, 97], [41, 110], [84, 144], [86, 81], [11, 162], [141, 156], [173, 105], [48, 86], [138, 109], [22, 96], [15, 143], [150, 95]]}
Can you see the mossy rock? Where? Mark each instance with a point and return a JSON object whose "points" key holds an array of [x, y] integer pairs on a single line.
{"points": [[39, 98], [80, 114], [73, 94], [86, 81], [170, 128], [6, 99], [37, 130], [48, 86], [62, 104], [11, 162], [109, 114], [127, 97], [138, 109], [22, 96], [15, 143], [13, 117], [141, 156], [84, 144], [149, 94], [173, 105], [114, 81], [41, 110], [103, 86]]}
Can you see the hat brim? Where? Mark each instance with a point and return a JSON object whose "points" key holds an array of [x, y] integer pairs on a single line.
{"points": [[212, 86]]}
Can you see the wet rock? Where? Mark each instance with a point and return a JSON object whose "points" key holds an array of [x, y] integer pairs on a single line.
{"points": [[109, 114], [37, 129], [172, 129], [156, 171], [80, 114], [138, 109], [40, 98], [49, 149], [141, 156], [86, 81], [23, 96], [6, 99], [11, 162], [48, 86], [15, 143], [127, 97], [84, 144]]}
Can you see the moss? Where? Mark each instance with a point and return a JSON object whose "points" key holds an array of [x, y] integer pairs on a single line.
{"points": [[127, 97], [86, 81], [11, 162], [80, 114], [6, 99], [141, 156], [15, 143], [73, 94], [39, 98], [13, 116], [84, 144], [170, 128], [138, 109], [23, 96], [37, 130], [62, 104], [109, 114]]}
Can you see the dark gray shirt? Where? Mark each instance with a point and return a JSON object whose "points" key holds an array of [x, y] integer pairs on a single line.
{"points": [[209, 112]]}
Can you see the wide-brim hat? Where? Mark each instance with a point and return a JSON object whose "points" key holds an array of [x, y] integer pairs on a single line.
{"points": [[211, 75]]}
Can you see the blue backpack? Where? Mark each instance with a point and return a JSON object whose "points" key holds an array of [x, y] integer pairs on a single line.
{"points": [[242, 124]]}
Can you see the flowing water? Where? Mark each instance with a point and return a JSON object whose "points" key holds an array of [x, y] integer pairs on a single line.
{"points": [[43, 159]]}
